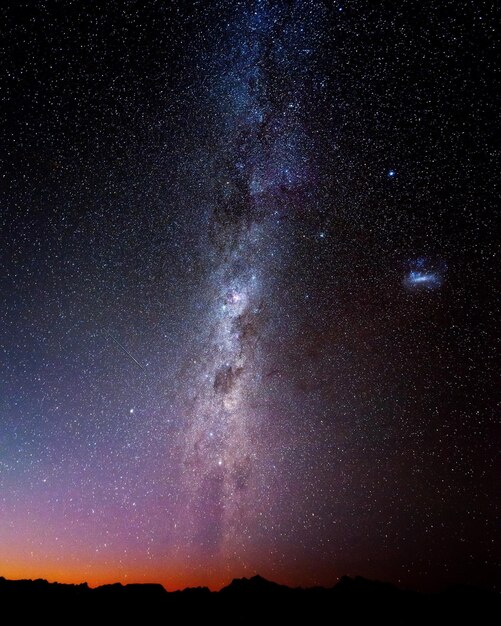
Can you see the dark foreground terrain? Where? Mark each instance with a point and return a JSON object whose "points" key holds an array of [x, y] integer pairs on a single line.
{"points": [[351, 601]]}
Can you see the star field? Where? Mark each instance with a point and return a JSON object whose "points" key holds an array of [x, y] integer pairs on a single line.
{"points": [[248, 270]]}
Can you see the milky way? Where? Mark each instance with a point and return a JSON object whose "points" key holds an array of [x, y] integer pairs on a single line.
{"points": [[264, 167], [248, 321]]}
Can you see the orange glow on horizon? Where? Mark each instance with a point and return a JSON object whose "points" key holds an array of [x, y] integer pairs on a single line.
{"points": [[170, 580]]}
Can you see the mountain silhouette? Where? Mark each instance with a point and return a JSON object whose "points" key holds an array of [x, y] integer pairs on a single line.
{"points": [[351, 601], [256, 584]]}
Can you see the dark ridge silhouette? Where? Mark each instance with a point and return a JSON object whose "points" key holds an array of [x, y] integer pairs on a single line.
{"points": [[255, 585], [135, 589], [350, 601]]}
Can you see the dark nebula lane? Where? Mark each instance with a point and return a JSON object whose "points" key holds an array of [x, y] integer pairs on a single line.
{"points": [[248, 266]]}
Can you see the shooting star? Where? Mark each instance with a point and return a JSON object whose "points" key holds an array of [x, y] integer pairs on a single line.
{"points": [[126, 351]]}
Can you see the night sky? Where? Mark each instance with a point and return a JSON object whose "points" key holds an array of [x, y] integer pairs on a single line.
{"points": [[248, 268]]}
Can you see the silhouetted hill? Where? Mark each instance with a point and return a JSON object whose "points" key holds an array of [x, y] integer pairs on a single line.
{"points": [[193, 591], [362, 586], [350, 601], [40, 587], [141, 590], [256, 585]]}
